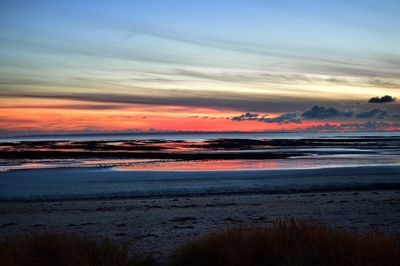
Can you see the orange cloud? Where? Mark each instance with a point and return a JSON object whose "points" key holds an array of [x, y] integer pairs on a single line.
{"points": [[18, 114]]}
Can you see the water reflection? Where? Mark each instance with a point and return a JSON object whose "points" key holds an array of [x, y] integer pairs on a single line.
{"points": [[301, 162], [306, 162], [204, 165]]}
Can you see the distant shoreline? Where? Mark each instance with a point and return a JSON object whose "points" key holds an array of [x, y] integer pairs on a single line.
{"points": [[148, 135]]}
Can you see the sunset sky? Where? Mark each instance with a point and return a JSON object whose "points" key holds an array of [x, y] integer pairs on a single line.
{"points": [[250, 65]]}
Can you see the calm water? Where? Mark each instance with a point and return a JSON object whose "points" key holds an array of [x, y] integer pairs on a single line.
{"points": [[317, 157], [199, 136], [321, 168]]}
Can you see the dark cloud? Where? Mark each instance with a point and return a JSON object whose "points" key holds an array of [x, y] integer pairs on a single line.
{"points": [[384, 99], [282, 119], [367, 126], [375, 113], [321, 112], [317, 113], [246, 116]]}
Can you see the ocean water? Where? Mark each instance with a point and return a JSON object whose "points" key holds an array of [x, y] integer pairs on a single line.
{"points": [[318, 156], [320, 168], [200, 136]]}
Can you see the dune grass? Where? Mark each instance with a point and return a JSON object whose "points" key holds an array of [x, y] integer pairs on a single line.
{"points": [[63, 249], [292, 242]]}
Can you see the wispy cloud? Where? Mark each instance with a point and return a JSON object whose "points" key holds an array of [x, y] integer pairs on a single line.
{"points": [[254, 102], [67, 106]]}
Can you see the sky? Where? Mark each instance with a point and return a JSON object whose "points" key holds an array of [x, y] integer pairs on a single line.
{"points": [[250, 65]]}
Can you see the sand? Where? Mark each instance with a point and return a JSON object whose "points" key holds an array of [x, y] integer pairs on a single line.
{"points": [[157, 225]]}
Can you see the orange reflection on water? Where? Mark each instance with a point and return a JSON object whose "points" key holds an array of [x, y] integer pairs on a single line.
{"points": [[206, 165]]}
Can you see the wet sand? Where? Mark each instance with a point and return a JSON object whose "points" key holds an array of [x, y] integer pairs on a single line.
{"points": [[106, 183], [155, 211], [157, 225], [191, 150]]}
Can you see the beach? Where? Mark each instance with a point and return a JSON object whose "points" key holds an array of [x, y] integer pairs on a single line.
{"points": [[157, 225], [155, 212], [199, 133], [155, 195]]}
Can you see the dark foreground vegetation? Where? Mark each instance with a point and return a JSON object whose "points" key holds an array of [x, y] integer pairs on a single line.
{"points": [[63, 249], [292, 242]]}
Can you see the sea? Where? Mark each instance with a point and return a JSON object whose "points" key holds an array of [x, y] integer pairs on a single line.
{"points": [[319, 168]]}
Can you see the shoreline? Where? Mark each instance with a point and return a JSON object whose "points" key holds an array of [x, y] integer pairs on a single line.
{"points": [[368, 188], [220, 148], [94, 183]]}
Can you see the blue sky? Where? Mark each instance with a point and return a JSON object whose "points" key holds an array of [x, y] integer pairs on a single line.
{"points": [[289, 54]]}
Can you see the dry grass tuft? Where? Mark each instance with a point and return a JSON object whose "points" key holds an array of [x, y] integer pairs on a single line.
{"points": [[292, 242], [62, 249]]}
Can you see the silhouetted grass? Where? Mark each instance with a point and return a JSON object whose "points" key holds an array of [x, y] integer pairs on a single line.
{"points": [[292, 242], [62, 249]]}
